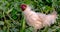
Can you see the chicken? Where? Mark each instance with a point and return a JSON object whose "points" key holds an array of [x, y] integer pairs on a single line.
{"points": [[38, 20]]}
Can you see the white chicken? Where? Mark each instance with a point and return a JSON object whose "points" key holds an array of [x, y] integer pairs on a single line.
{"points": [[38, 20]]}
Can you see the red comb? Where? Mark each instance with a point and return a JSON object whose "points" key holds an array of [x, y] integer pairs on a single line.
{"points": [[23, 7]]}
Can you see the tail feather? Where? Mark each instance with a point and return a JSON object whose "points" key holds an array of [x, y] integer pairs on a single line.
{"points": [[54, 13]]}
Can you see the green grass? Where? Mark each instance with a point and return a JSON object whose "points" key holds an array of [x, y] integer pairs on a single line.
{"points": [[12, 18]]}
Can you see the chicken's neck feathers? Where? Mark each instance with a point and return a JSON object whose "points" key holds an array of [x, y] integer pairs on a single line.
{"points": [[28, 11]]}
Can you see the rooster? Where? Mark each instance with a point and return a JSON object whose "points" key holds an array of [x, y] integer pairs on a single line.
{"points": [[38, 20]]}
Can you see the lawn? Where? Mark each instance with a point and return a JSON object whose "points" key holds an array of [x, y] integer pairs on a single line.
{"points": [[12, 19]]}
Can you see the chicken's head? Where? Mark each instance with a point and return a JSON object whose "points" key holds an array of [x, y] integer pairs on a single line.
{"points": [[23, 7]]}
